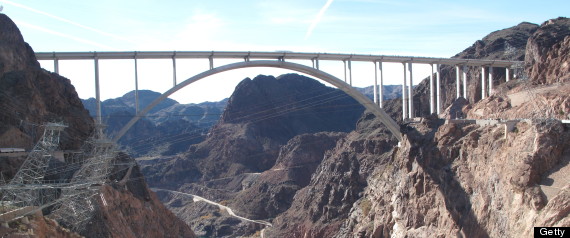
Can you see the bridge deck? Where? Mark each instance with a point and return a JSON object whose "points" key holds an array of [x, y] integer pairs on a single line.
{"points": [[277, 55]]}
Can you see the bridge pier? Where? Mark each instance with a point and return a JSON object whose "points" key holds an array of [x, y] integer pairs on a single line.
{"points": [[410, 92], [56, 66], [174, 70], [457, 78], [438, 88], [431, 92], [350, 71], [508, 73], [490, 80], [375, 88], [379, 93], [404, 96], [136, 87], [483, 89], [464, 71], [97, 91], [344, 63]]}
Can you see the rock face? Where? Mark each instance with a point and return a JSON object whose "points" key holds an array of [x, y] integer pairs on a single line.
{"points": [[167, 129], [31, 96], [319, 209], [445, 180], [262, 116], [131, 209], [271, 193], [506, 44], [465, 180], [548, 52]]}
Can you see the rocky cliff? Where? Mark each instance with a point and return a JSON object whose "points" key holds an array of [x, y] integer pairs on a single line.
{"points": [[31, 96], [548, 52], [506, 44], [266, 123], [446, 179], [167, 129]]}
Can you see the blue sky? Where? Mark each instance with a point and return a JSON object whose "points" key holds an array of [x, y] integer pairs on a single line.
{"points": [[419, 28]]}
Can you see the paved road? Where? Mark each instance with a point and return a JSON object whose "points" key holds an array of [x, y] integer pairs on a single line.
{"points": [[227, 209]]}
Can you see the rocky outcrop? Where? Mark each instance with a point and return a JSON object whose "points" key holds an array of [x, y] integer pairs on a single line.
{"points": [[506, 44], [37, 226], [130, 209], [168, 129], [465, 180], [31, 96], [548, 52], [263, 114], [319, 209], [271, 192]]}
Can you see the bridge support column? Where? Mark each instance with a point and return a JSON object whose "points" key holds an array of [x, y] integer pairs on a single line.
{"points": [[97, 91], [136, 87], [404, 96], [56, 66], [350, 71], [490, 80], [464, 71], [174, 70], [438, 88], [344, 62], [381, 89], [411, 92], [508, 73], [315, 62], [457, 78], [483, 88], [375, 88], [431, 92]]}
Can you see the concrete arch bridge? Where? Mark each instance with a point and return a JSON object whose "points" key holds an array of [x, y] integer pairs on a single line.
{"points": [[280, 60]]}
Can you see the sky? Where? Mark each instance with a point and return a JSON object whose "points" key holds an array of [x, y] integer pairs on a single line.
{"points": [[410, 28]]}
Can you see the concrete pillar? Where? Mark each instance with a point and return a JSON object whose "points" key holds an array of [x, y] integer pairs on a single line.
{"points": [[457, 78], [56, 66], [508, 73], [483, 88], [490, 80], [438, 88], [315, 62], [344, 62], [464, 81], [211, 58], [97, 91], [381, 89], [136, 87], [404, 96], [431, 92], [375, 88], [411, 92], [350, 71], [174, 71]]}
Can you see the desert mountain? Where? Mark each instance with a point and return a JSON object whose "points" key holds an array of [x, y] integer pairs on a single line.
{"points": [[444, 179], [169, 128], [30, 97]]}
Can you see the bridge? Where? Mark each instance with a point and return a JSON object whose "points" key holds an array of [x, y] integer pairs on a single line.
{"points": [[280, 60]]}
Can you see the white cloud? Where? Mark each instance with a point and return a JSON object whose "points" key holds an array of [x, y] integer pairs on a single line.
{"points": [[318, 18]]}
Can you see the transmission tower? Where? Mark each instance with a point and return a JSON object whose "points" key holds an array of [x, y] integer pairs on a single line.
{"points": [[26, 189], [80, 202]]}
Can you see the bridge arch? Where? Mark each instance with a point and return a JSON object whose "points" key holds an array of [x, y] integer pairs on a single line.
{"points": [[367, 103]]}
